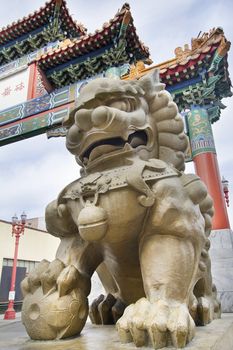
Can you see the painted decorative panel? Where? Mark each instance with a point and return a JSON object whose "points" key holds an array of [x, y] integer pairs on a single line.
{"points": [[200, 131], [13, 89], [38, 105], [32, 125]]}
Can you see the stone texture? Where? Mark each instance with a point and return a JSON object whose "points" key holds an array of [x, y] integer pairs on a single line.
{"points": [[221, 253], [216, 336], [134, 217]]}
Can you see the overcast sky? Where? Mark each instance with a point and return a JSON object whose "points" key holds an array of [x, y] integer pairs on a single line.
{"points": [[32, 172]]}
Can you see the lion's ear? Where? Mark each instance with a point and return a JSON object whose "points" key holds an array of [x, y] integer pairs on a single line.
{"points": [[150, 82], [68, 120]]}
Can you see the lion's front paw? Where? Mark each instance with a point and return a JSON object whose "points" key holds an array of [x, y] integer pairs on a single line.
{"points": [[159, 323], [208, 308], [55, 304]]}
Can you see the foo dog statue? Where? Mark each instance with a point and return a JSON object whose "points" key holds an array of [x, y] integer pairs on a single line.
{"points": [[133, 216]]}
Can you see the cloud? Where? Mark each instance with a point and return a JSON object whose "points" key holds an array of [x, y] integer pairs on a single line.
{"points": [[33, 172]]}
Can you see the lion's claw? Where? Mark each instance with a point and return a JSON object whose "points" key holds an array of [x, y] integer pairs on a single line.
{"points": [[106, 310], [149, 323], [55, 304]]}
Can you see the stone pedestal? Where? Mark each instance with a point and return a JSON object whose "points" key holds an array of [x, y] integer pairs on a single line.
{"points": [[221, 253], [218, 335]]}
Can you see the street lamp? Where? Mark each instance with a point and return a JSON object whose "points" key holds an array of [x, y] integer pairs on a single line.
{"points": [[225, 187], [17, 230]]}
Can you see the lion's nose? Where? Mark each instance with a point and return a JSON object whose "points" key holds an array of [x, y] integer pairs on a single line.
{"points": [[99, 116], [83, 119]]}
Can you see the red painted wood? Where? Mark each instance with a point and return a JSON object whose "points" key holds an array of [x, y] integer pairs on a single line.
{"points": [[206, 166], [31, 81]]}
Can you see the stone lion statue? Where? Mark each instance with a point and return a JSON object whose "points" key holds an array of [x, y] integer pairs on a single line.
{"points": [[134, 217]]}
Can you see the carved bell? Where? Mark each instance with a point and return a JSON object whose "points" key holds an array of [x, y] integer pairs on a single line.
{"points": [[92, 223]]}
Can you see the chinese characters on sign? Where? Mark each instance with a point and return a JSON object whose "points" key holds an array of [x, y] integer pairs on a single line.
{"points": [[20, 86], [7, 91], [14, 89]]}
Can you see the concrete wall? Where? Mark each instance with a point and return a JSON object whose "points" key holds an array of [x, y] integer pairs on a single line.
{"points": [[221, 253]]}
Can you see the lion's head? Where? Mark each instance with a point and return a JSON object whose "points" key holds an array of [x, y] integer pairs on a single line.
{"points": [[113, 118]]}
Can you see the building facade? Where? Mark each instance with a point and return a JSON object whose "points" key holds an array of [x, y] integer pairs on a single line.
{"points": [[34, 245]]}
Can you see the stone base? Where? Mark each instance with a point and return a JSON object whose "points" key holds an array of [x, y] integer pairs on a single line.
{"points": [[221, 253], [216, 336]]}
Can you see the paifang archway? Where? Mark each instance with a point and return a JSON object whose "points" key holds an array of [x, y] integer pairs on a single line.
{"points": [[46, 57]]}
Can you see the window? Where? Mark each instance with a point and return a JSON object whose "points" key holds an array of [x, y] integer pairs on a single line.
{"points": [[29, 264]]}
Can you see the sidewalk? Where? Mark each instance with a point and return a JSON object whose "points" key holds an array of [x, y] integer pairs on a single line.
{"points": [[218, 335], [7, 322]]}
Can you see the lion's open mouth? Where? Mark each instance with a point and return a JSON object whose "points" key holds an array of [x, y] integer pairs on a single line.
{"points": [[99, 148]]}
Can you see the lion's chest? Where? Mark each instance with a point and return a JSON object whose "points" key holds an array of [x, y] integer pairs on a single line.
{"points": [[111, 205], [117, 216]]}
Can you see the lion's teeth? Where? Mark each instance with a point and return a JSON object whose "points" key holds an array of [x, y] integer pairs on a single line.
{"points": [[127, 147]]}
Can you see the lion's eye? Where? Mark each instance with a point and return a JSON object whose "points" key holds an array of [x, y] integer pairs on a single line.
{"points": [[126, 105]]}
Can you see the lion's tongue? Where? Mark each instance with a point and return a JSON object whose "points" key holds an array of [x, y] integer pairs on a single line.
{"points": [[101, 150], [138, 138]]}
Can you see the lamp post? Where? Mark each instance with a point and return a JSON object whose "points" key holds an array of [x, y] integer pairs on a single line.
{"points": [[225, 187], [17, 230]]}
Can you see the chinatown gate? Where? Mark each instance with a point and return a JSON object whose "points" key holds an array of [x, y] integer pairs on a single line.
{"points": [[46, 57]]}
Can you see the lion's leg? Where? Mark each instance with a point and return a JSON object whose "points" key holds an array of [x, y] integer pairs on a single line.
{"points": [[170, 249], [171, 245], [55, 294], [168, 265], [205, 306]]}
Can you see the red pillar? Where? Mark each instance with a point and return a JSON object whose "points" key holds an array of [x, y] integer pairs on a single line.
{"points": [[10, 312], [206, 166], [31, 81], [206, 163]]}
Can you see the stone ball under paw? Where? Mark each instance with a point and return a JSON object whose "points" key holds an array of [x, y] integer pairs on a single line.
{"points": [[48, 317]]}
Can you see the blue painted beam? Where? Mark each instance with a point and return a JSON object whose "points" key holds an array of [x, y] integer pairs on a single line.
{"points": [[81, 59], [183, 85], [23, 37]]}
